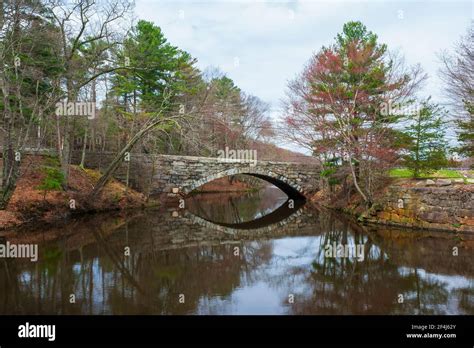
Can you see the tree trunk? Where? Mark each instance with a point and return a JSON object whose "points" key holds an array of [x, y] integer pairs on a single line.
{"points": [[84, 146], [104, 179], [9, 165], [356, 184]]}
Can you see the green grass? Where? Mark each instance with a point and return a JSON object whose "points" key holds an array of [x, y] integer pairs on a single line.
{"points": [[446, 173], [407, 173], [400, 173]]}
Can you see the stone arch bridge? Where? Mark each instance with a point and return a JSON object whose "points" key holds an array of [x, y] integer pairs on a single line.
{"points": [[158, 174]]}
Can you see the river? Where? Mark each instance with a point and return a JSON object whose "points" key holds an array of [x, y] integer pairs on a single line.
{"points": [[234, 253]]}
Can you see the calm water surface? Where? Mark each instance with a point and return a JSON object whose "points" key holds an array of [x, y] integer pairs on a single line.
{"points": [[236, 254]]}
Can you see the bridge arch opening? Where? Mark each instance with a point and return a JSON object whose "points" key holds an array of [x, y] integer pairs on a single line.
{"points": [[288, 186], [279, 215]]}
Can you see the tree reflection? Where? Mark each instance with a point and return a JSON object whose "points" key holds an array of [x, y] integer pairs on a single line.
{"points": [[171, 256], [373, 286]]}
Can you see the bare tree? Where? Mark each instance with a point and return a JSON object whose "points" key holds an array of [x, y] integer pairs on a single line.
{"points": [[84, 24], [458, 76], [458, 73], [162, 120]]}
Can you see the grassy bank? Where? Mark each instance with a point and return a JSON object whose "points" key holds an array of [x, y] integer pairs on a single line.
{"points": [[406, 173]]}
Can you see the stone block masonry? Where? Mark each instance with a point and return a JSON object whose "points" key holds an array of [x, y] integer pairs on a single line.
{"points": [[160, 174], [442, 207]]}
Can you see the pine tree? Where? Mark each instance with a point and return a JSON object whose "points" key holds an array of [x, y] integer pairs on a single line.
{"points": [[466, 132], [427, 149]]}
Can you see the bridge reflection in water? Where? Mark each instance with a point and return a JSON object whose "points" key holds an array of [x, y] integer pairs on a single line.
{"points": [[224, 269], [269, 207]]}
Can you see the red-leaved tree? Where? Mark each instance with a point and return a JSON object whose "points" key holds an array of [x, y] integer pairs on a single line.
{"points": [[335, 107]]}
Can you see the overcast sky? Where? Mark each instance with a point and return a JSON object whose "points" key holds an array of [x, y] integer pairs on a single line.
{"points": [[263, 44]]}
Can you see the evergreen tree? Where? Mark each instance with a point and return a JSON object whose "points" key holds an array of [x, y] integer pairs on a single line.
{"points": [[29, 65], [154, 65], [334, 105], [466, 132], [427, 149]]}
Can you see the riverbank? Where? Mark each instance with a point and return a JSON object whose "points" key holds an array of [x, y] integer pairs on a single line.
{"points": [[40, 198], [441, 204]]}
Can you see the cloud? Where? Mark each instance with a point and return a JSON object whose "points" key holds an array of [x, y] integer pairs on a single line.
{"points": [[272, 40]]}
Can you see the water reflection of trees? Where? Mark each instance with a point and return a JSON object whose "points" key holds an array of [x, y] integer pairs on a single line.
{"points": [[105, 281], [344, 285], [466, 298], [150, 280]]}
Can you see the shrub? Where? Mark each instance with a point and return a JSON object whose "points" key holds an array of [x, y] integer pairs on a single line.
{"points": [[53, 180]]}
